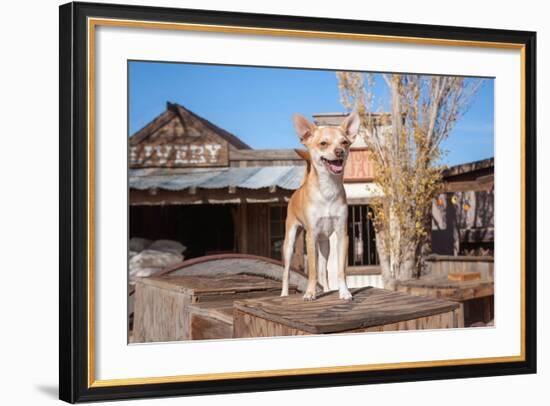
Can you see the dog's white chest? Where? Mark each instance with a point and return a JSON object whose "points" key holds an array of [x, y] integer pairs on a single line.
{"points": [[328, 218]]}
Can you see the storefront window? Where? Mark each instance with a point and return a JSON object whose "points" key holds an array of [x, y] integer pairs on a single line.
{"points": [[362, 245]]}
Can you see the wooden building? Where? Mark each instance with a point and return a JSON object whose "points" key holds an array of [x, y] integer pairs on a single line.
{"points": [[463, 215], [196, 183]]}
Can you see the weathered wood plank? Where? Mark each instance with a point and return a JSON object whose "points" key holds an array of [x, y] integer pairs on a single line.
{"points": [[266, 155], [442, 265], [328, 314], [211, 320], [226, 284], [203, 328], [158, 314], [464, 276], [236, 264], [247, 326], [162, 304], [220, 310], [446, 289]]}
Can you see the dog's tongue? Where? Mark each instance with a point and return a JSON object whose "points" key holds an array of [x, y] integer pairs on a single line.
{"points": [[335, 166]]}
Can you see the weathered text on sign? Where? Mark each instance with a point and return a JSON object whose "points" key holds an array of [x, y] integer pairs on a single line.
{"points": [[207, 154], [359, 166]]}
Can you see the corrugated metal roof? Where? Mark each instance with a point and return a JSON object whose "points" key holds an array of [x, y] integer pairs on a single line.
{"points": [[231, 177], [285, 177]]}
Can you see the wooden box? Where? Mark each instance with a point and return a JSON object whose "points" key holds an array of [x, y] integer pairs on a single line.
{"points": [[211, 320], [371, 309], [476, 297], [161, 310]]}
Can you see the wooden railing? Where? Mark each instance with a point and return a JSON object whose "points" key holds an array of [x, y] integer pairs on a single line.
{"points": [[441, 265]]}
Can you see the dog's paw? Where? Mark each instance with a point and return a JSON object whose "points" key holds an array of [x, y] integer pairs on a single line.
{"points": [[346, 295], [284, 294], [309, 296]]}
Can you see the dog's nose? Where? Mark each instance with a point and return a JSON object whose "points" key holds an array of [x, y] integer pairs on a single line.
{"points": [[339, 152]]}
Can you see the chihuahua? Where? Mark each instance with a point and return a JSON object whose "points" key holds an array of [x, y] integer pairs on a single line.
{"points": [[319, 205]]}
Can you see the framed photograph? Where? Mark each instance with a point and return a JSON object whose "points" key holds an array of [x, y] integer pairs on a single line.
{"points": [[258, 202]]}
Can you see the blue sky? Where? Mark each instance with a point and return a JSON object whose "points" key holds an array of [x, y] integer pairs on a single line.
{"points": [[256, 104]]}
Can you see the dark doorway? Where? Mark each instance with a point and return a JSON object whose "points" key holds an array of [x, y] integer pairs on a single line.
{"points": [[203, 229]]}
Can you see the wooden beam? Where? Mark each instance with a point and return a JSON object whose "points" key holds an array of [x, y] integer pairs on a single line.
{"points": [[467, 186], [265, 154], [203, 196], [243, 232]]}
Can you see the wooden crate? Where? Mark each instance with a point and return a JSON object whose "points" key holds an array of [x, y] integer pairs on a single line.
{"points": [[371, 309], [161, 310], [211, 320], [476, 297], [445, 289]]}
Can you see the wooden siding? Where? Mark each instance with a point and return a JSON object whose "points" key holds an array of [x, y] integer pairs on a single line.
{"points": [[179, 144], [257, 229], [442, 265]]}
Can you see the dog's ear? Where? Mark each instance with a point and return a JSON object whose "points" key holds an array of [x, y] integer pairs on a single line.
{"points": [[303, 154], [306, 157], [304, 127], [350, 126]]}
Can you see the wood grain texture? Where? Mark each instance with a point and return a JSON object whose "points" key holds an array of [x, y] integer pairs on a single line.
{"points": [[219, 310], [476, 297], [464, 276], [159, 314], [236, 264], [211, 320], [247, 325], [442, 265], [163, 305], [443, 288], [370, 308], [202, 287]]}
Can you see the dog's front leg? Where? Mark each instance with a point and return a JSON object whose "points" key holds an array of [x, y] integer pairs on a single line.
{"points": [[288, 249], [343, 243], [311, 267], [322, 255]]}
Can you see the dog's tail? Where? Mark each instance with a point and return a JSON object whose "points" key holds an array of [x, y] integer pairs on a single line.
{"points": [[305, 156]]}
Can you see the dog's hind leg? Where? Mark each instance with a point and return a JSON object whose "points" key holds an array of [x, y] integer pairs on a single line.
{"points": [[292, 227], [322, 260]]}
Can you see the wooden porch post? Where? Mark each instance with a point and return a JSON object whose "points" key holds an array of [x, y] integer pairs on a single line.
{"points": [[243, 234]]}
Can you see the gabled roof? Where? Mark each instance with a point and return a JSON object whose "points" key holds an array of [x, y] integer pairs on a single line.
{"points": [[174, 110]]}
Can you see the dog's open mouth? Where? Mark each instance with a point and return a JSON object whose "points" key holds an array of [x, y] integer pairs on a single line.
{"points": [[336, 166]]}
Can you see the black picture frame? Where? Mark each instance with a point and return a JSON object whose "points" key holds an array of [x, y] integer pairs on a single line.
{"points": [[74, 385]]}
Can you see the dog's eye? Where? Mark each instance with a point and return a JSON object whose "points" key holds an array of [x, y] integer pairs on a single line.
{"points": [[323, 143], [345, 142]]}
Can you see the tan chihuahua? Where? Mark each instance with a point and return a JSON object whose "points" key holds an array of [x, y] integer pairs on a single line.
{"points": [[319, 205]]}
